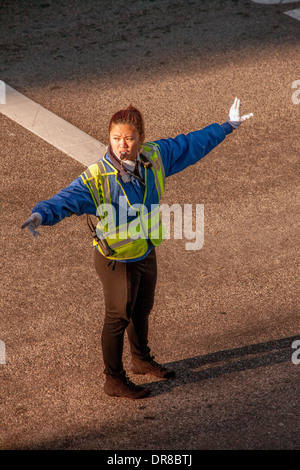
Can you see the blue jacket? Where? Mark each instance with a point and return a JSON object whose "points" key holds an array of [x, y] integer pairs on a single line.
{"points": [[176, 153]]}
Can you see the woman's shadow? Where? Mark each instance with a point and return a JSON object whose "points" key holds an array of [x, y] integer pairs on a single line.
{"points": [[211, 366]]}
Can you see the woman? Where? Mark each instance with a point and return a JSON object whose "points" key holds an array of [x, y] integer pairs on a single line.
{"points": [[123, 189]]}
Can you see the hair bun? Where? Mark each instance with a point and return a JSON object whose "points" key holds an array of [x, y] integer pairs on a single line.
{"points": [[130, 115]]}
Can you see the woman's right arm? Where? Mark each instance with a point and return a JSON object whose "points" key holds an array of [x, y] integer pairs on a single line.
{"points": [[75, 199]]}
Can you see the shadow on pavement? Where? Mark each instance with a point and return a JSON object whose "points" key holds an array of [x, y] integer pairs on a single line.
{"points": [[189, 371], [211, 366], [47, 42]]}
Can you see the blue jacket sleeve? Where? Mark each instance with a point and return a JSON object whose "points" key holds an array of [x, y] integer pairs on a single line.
{"points": [[185, 150], [75, 199], [177, 154]]}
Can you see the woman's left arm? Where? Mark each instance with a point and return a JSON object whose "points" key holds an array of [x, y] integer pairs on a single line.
{"points": [[184, 150]]}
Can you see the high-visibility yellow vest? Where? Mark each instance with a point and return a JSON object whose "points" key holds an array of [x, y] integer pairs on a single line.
{"points": [[128, 240]]}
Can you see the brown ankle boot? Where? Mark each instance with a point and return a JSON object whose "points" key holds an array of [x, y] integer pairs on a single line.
{"points": [[149, 366], [123, 387]]}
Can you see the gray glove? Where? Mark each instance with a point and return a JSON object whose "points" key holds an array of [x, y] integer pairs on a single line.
{"points": [[234, 118], [32, 223]]}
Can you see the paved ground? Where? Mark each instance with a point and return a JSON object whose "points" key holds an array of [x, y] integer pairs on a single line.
{"points": [[225, 316]]}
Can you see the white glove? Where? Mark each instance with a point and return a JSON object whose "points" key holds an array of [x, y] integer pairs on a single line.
{"points": [[32, 223], [234, 118]]}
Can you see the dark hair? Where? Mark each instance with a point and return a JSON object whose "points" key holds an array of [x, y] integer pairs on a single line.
{"points": [[130, 115]]}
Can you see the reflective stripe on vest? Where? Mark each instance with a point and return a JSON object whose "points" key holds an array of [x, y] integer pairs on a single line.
{"points": [[151, 152], [128, 240]]}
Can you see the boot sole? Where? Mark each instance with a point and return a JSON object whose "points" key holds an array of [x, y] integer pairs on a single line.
{"points": [[145, 395], [168, 375]]}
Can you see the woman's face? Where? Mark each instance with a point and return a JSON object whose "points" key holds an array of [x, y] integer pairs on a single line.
{"points": [[125, 138]]}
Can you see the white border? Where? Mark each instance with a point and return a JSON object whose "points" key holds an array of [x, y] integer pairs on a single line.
{"points": [[275, 2]]}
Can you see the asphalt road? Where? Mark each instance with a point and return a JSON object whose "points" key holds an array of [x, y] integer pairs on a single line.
{"points": [[224, 316]]}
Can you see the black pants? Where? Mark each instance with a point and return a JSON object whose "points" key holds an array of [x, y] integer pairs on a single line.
{"points": [[129, 297]]}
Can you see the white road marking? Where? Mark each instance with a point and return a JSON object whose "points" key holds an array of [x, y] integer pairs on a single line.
{"points": [[293, 13], [2, 353], [51, 128], [2, 92]]}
